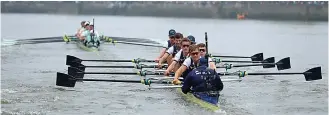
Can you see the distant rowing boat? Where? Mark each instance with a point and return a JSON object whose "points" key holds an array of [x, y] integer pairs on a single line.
{"points": [[80, 44]]}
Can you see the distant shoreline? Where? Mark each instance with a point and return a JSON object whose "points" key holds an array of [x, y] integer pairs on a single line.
{"points": [[230, 10]]}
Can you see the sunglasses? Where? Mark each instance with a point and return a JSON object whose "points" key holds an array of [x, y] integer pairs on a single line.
{"points": [[186, 46], [172, 37], [194, 53], [202, 50]]}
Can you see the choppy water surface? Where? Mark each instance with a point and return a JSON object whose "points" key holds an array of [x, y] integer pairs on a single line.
{"points": [[28, 72]]}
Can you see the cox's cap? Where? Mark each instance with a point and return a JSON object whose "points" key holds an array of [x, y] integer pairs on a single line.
{"points": [[172, 32], [191, 38]]}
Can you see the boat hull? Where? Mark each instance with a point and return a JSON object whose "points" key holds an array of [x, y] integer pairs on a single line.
{"points": [[80, 44], [190, 97], [86, 48]]}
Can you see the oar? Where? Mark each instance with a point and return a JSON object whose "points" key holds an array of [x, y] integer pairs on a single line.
{"points": [[35, 39], [256, 57], [69, 81], [281, 65], [206, 40], [80, 73], [30, 42], [310, 75], [268, 60], [107, 39], [72, 59], [66, 80], [131, 43], [137, 66], [92, 37]]}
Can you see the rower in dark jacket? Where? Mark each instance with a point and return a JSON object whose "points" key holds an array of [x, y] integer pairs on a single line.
{"points": [[206, 83]]}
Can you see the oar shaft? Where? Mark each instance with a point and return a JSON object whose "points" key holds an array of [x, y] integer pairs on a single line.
{"points": [[106, 80], [137, 44], [123, 73], [134, 60], [242, 61], [273, 73], [137, 66], [253, 65], [231, 56], [260, 73], [114, 73], [109, 60], [108, 66]]}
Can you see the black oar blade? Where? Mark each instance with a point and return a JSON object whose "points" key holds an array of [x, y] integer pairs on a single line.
{"points": [[313, 74], [257, 57], [79, 66], [65, 80], [72, 59], [75, 72], [283, 64], [269, 60]]}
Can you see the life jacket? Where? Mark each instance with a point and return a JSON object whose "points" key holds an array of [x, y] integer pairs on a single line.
{"points": [[169, 44], [182, 58], [176, 50], [208, 90], [189, 69], [206, 85]]}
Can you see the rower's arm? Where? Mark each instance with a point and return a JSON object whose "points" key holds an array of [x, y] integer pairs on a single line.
{"points": [[162, 52], [187, 84], [78, 33], [172, 65], [163, 58], [180, 71], [219, 83]]}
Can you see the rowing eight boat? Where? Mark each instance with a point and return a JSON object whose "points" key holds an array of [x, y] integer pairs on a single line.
{"points": [[80, 44]]}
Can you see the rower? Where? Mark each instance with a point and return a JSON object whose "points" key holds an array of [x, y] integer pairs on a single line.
{"points": [[171, 52], [206, 83], [180, 56], [94, 33], [86, 34], [190, 63], [192, 39], [168, 44], [203, 51], [81, 29]]}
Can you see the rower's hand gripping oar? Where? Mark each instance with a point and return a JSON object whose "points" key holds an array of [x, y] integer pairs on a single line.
{"points": [[310, 75], [281, 65], [72, 59]]}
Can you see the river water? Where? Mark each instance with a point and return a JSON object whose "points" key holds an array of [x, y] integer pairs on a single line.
{"points": [[28, 72]]}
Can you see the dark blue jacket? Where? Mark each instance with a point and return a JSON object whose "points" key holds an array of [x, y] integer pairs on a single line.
{"points": [[202, 79], [206, 84]]}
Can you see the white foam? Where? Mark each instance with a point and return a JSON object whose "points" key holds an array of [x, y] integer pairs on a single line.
{"points": [[8, 91]]}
